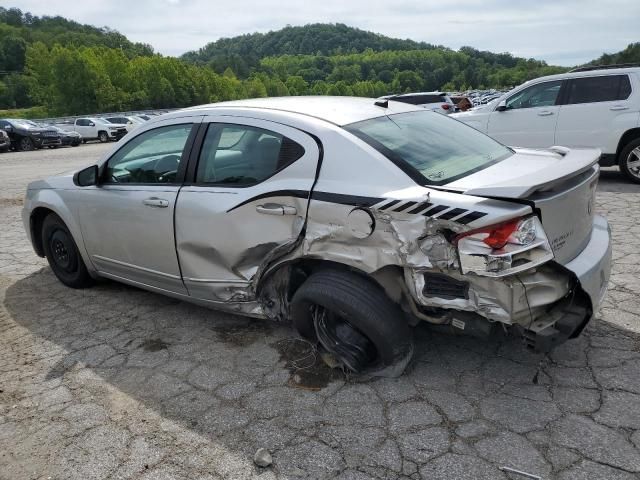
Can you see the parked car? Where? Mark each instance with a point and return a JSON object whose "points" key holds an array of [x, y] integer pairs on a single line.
{"points": [[596, 107], [5, 142], [68, 137], [92, 128], [436, 101], [251, 207], [26, 135], [129, 122]]}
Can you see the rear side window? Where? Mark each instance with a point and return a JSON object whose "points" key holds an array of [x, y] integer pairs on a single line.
{"points": [[241, 155], [605, 88]]}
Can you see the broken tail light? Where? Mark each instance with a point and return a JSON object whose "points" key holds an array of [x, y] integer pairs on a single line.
{"points": [[505, 248]]}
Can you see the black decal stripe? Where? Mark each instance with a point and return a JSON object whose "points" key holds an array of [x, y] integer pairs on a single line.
{"points": [[389, 204], [420, 207], [404, 207], [277, 193], [471, 217], [434, 210], [454, 212], [355, 200]]}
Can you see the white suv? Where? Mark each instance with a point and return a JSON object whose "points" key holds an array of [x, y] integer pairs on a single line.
{"points": [[587, 107]]}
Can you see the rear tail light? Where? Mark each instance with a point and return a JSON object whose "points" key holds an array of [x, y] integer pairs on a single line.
{"points": [[504, 248], [445, 106]]}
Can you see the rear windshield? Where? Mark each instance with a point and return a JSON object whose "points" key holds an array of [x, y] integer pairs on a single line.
{"points": [[431, 148]]}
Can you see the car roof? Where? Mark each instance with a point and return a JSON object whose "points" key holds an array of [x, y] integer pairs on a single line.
{"points": [[587, 73], [337, 110]]}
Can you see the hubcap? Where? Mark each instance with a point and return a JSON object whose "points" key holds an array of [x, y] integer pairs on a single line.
{"points": [[633, 162], [342, 339], [62, 251]]}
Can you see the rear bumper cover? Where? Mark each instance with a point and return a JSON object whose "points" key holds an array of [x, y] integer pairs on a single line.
{"points": [[591, 269], [593, 266]]}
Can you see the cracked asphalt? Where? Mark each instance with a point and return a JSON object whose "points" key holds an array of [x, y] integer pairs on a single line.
{"points": [[118, 383]]}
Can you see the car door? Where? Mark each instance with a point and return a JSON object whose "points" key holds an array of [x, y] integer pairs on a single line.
{"points": [[127, 220], [593, 110], [528, 117], [83, 127], [248, 198]]}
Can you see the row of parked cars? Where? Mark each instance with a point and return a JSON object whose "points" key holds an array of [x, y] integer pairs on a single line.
{"points": [[25, 135]]}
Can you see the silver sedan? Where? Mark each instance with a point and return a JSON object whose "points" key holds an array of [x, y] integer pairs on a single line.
{"points": [[352, 218]]}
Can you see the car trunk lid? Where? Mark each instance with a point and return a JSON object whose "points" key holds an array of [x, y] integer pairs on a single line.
{"points": [[560, 182]]}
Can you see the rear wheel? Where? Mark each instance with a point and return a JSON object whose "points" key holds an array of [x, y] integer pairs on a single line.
{"points": [[103, 137], [63, 255], [26, 144], [354, 320], [630, 160]]}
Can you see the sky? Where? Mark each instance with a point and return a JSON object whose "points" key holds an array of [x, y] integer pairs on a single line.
{"points": [[561, 32]]}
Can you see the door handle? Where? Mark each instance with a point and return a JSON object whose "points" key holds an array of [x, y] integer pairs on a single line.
{"points": [[619, 107], [545, 113], [156, 202], [276, 209]]}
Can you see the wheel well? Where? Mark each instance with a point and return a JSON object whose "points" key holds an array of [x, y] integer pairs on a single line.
{"points": [[628, 136], [35, 224], [389, 278]]}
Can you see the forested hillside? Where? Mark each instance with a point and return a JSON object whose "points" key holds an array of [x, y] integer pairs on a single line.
{"points": [[243, 53], [53, 66]]}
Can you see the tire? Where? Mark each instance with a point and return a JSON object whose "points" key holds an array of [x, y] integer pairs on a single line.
{"points": [[63, 255], [103, 137], [629, 160], [25, 144], [359, 324]]}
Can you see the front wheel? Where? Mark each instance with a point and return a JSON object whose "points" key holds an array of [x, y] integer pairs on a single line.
{"points": [[63, 255], [103, 137], [353, 319], [26, 144], [630, 160]]}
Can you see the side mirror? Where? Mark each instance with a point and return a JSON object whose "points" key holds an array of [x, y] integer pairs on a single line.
{"points": [[91, 124], [502, 106], [86, 177], [8, 128]]}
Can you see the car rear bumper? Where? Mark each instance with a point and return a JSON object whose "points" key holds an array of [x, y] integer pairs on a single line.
{"points": [[591, 269], [593, 266]]}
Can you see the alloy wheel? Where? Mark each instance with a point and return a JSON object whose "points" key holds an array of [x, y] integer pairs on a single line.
{"points": [[633, 162]]}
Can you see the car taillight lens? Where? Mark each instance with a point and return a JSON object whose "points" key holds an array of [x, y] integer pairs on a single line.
{"points": [[445, 106], [504, 248]]}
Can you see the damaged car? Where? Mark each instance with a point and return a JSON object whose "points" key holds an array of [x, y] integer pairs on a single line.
{"points": [[352, 218]]}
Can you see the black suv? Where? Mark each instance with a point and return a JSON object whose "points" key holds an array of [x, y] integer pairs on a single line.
{"points": [[26, 135]]}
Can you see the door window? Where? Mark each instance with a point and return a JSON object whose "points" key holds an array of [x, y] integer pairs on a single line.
{"points": [[540, 95], [241, 155], [151, 157], [605, 88], [83, 122]]}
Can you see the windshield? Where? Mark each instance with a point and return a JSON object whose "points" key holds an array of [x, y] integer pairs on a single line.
{"points": [[431, 148]]}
